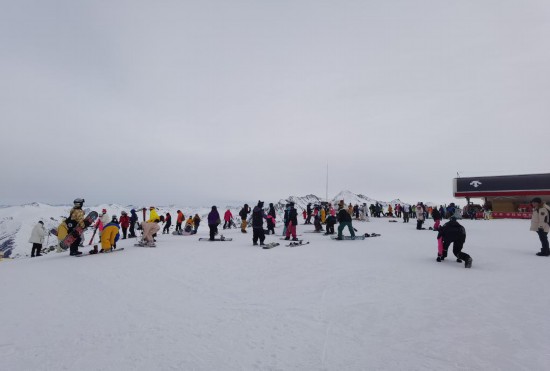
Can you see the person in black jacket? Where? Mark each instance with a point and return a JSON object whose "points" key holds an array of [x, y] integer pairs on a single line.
{"points": [[258, 216], [271, 219], [292, 219], [344, 218], [244, 215], [308, 211], [453, 232], [133, 221], [437, 218], [330, 221]]}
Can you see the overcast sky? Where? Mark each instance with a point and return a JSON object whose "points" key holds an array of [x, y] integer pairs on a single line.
{"points": [[198, 102]]}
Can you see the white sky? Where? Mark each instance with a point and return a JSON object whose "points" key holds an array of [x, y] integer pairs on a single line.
{"points": [[197, 102]]}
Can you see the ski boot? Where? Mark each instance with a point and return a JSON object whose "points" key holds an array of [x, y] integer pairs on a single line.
{"points": [[468, 263]]}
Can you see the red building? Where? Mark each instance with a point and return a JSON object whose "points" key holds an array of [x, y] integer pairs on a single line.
{"points": [[508, 196]]}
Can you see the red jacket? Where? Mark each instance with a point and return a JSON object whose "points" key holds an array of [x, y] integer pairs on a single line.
{"points": [[124, 221], [227, 216]]}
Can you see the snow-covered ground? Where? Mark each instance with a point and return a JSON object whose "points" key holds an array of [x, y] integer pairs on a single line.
{"points": [[379, 304]]}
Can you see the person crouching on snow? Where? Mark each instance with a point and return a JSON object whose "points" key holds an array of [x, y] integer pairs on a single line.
{"points": [[110, 236], [453, 232], [149, 230]]}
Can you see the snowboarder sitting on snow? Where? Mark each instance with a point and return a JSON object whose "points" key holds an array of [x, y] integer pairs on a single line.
{"points": [[344, 218], [188, 225], [453, 232], [37, 238]]}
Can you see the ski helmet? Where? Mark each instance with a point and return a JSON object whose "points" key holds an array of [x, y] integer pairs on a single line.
{"points": [[78, 202]]}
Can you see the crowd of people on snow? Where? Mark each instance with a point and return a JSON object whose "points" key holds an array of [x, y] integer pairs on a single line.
{"points": [[109, 228]]}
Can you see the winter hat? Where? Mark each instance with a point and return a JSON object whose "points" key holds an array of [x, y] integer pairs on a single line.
{"points": [[41, 222], [260, 204], [104, 211], [537, 200], [123, 213]]}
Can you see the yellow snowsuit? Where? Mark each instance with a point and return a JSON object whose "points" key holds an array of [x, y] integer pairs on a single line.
{"points": [[108, 236], [323, 215]]}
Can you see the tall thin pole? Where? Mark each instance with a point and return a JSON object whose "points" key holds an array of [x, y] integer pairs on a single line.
{"points": [[326, 194]]}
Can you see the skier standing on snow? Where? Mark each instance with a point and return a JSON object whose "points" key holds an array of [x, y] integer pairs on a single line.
{"points": [[124, 223], [258, 216], [344, 218], [213, 222], [540, 223], [244, 215], [133, 221], [37, 238], [453, 232]]}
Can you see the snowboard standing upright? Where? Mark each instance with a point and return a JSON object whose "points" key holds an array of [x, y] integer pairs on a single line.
{"points": [[77, 231]]}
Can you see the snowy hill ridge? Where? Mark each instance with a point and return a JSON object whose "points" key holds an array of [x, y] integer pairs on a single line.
{"points": [[16, 222]]}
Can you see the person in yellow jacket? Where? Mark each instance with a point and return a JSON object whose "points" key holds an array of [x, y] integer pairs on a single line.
{"points": [[323, 215], [110, 236], [153, 215], [62, 232], [189, 225]]}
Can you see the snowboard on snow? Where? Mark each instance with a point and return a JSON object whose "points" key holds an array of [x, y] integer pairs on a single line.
{"points": [[182, 233], [100, 253], [284, 239], [216, 239], [372, 235], [78, 231], [348, 238], [297, 243], [145, 244], [270, 245]]}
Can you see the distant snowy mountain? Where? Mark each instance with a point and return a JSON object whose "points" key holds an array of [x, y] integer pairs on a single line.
{"points": [[16, 222]]}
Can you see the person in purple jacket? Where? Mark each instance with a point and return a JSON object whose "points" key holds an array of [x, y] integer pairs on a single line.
{"points": [[213, 222]]}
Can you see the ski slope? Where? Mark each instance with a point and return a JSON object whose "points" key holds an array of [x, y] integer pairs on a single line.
{"points": [[383, 303]]}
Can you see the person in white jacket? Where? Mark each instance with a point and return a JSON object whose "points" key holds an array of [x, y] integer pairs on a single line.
{"points": [[37, 239], [540, 223]]}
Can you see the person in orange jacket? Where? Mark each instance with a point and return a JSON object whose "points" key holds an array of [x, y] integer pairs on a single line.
{"points": [[179, 220]]}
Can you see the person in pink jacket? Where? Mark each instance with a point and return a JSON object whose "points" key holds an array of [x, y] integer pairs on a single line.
{"points": [[227, 219]]}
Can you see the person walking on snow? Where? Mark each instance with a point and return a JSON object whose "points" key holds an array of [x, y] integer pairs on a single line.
{"points": [[540, 220], [213, 222], [453, 232], [37, 239], [344, 218]]}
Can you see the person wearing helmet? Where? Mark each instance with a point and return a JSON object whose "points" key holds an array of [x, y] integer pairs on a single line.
{"points": [[76, 218]]}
